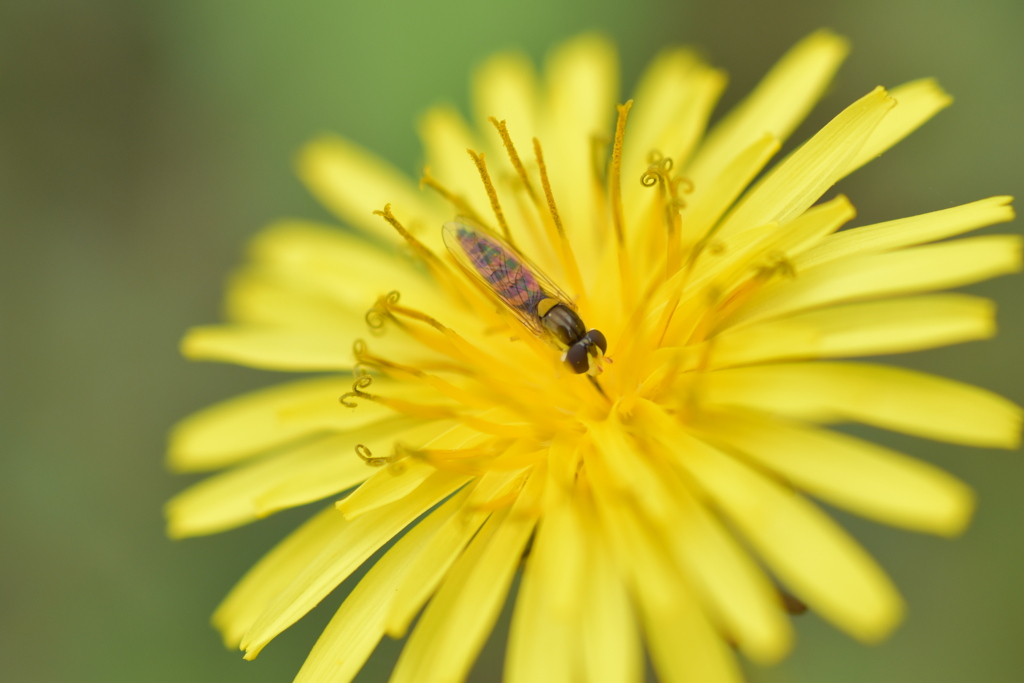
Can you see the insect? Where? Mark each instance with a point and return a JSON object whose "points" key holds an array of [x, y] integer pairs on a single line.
{"points": [[527, 292]]}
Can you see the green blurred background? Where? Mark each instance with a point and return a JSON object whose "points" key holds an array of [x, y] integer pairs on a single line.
{"points": [[142, 143]]}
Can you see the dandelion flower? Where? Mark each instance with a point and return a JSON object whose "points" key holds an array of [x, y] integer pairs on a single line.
{"points": [[664, 499]]}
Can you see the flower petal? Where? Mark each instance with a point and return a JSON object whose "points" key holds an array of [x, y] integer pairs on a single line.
{"points": [[611, 647], [252, 423], [893, 398], [268, 577], [670, 112], [682, 642], [357, 627], [778, 104], [809, 552], [582, 82], [359, 539], [354, 183], [918, 269], [273, 348], [260, 298], [298, 475], [446, 137], [313, 483], [917, 102], [543, 640], [709, 201], [797, 182], [343, 266], [877, 327], [725, 578], [859, 476], [457, 621], [907, 232], [505, 87], [432, 565]]}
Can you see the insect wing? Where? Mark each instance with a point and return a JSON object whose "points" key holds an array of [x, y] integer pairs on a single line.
{"points": [[502, 270]]}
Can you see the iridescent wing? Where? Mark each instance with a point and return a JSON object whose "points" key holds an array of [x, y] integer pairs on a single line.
{"points": [[502, 270]]}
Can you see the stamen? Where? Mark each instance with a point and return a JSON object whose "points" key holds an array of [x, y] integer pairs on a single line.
{"points": [[441, 272], [657, 173], [564, 249], [524, 178], [428, 257], [362, 382], [481, 167], [513, 156], [462, 207], [379, 313], [615, 192], [369, 458]]}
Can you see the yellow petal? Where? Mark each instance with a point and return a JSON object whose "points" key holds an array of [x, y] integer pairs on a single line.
{"points": [[431, 567], [273, 348], [313, 483], [345, 267], [252, 423], [765, 245], [683, 644], [681, 640], [906, 232], [632, 473], [778, 104], [709, 201], [893, 398], [582, 84], [908, 271], [505, 87], [670, 111], [446, 137], [387, 485], [859, 476], [273, 573], [797, 182], [259, 298], [802, 546], [299, 475], [357, 627], [730, 584], [457, 621], [610, 634], [877, 327], [542, 643], [359, 539], [916, 102], [354, 183]]}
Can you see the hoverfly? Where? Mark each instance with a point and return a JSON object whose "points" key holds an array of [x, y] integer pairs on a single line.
{"points": [[529, 294]]}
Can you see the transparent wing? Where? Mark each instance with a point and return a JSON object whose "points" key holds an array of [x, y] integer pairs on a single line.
{"points": [[502, 271]]}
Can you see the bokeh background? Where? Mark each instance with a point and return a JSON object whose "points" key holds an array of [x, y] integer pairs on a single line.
{"points": [[141, 145]]}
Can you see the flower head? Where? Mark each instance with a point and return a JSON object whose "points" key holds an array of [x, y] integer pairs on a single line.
{"points": [[662, 497]]}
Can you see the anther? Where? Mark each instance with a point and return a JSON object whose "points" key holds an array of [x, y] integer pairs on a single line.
{"points": [[615, 196], [513, 156], [461, 206], [418, 247], [563, 248], [362, 382], [369, 458], [380, 312], [492, 195]]}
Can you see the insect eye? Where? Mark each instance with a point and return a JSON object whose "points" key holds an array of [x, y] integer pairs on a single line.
{"points": [[577, 358], [596, 337]]}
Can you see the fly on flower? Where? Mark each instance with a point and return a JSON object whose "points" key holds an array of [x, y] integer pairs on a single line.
{"points": [[528, 293]]}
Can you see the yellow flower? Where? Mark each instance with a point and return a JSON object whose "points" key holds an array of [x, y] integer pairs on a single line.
{"points": [[632, 501]]}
